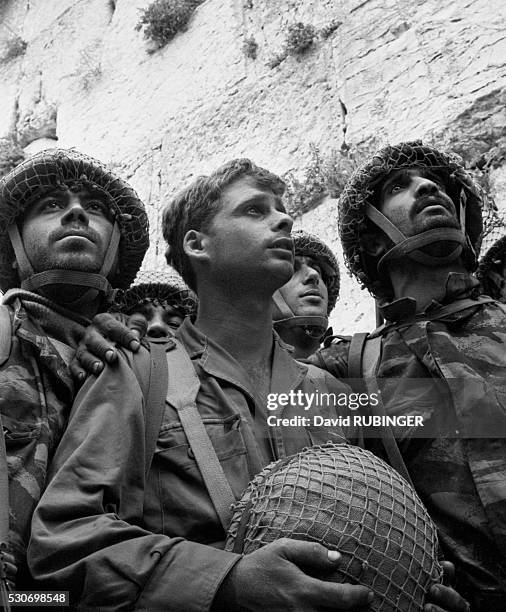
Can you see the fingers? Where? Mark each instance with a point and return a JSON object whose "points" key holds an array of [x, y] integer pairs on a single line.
{"points": [[337, 596], [314, 556], [108, 326], [448, 573], [445, 599], [307, 554], [138, 324], [9, 566]]}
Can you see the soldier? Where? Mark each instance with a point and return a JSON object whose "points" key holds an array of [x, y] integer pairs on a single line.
{"points": [[128, 534], [303, 305], [159, 300], [70, 233], [410, 220], [492, 268]]}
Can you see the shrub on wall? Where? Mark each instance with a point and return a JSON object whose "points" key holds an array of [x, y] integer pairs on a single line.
{"points": [[299, 38], [163, 19], [250, 47]]}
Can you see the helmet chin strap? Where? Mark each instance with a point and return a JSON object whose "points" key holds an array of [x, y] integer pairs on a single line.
{"points": [[313, 325], [409, 247], [96, 282]]}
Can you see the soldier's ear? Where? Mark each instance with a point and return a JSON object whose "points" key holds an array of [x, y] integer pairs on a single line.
{"points": [[195, 244], [14, 265], [374, 244]]}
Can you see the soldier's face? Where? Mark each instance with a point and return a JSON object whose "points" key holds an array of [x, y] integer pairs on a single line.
{"points": [[161, 320], [67, 230], [305, 292], [415, 200], [249, 238]]}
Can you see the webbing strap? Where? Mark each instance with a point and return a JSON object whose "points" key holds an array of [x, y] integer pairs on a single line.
{"points": [[68, 277], [363, 358], [355, 355], [282, 305], [440, 313], [155, 399], [182, 394], [5, 334], [5, 349]]}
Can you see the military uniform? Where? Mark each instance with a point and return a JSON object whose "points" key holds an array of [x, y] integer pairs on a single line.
{"points": [[36, 393], [115, 545], [460, 472]]}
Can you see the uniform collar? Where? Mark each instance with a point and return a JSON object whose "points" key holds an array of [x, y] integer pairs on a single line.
{"points": [[287, 373], [458, 286]]}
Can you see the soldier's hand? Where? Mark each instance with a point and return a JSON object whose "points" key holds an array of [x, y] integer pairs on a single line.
{"points": [[442, 597], [273, 578], [98, 344], [8, 570]]}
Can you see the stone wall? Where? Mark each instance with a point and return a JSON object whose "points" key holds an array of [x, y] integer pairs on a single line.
{"points": [[377, 71]]}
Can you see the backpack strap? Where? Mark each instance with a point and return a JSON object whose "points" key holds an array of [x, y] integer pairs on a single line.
{"points": [[5, 349], [364, 356], [357, 344], [182, 393], [155, 397]]}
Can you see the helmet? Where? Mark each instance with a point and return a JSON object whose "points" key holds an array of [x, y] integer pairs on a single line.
{"points": [[493, 250], [309, 245], [59, 168], [349, 500], [161, 286], [357, 212]]}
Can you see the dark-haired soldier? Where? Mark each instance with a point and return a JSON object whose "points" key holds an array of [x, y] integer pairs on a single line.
{"points": [[492, 267], [160, 300], [303, 304], [122, 539], [410, 219], [70, 233]]}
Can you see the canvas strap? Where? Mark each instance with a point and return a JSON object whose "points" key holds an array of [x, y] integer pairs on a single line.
{"points": [[182, 393]]}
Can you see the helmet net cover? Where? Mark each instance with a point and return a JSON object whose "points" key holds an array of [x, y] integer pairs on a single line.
{"points": [[346, 499], [309, 245], [359, 192], [161, 287], [61, 168]]}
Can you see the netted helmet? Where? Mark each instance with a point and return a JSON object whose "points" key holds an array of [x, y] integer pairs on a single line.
{"points": [[348, 500], [492, 261], [161, 287], [66, 168], [358, 215], [309, 245]]}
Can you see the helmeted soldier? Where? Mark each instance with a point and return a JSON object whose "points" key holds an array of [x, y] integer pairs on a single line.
{"points": [[492, 266], [162, 299], [303, 305], [71, 232], [410, 221]]}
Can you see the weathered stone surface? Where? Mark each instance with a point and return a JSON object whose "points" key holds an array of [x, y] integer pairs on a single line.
{"points": [[381, 71]]}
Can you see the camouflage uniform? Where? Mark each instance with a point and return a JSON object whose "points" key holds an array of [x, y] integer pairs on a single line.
{"points": [[452, 372], [36, 390]]}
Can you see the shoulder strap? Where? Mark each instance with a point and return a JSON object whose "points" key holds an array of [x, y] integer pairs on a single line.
{"points": [[5, 349], [182, 393], [357, 344], [155, 399], [363, 359], [5, 334]]}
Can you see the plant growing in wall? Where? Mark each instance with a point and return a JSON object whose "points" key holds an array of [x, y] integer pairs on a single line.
{"points": [[163, 19], [299, 38], [15, 45], [250, 47], [11, 154]]}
